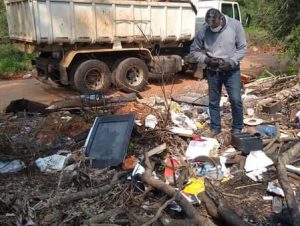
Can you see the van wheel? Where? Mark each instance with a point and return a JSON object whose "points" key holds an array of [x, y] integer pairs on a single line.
{"points": [[131, 75], [92, 76]]}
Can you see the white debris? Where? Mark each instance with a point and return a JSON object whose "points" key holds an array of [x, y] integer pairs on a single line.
{"points": [[181, 120], [151, 121], [257, 160], [273, 188], [138, 122], [178, 130], [201, 148], [256, 175], [229, 152], [27, 76]]}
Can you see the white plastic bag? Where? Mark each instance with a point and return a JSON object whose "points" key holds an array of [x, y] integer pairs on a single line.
{"points": [[201, 148], [151, 121], [51, 164], [12, 166]]}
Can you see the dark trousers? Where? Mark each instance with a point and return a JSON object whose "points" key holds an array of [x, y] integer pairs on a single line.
{"points": [[232, 82]]}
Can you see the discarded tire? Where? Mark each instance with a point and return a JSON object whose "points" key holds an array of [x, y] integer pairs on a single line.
{"points": [[92, 76], [131, 75]]}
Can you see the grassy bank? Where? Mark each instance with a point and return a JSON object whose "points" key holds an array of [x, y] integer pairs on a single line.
{"points": [[12, 60]]}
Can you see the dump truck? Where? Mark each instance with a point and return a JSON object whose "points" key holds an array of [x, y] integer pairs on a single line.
{"points": [[91, 45]]}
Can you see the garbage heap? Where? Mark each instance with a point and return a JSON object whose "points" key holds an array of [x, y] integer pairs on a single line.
{"points": [[121, 160]]}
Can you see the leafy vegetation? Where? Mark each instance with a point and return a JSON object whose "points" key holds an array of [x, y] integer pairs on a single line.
{"points": [[293, 43], [275, 20], [11, 59]]}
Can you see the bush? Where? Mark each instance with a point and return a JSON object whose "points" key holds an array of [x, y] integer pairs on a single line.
{"points": [[13, 60], [293, 43]]}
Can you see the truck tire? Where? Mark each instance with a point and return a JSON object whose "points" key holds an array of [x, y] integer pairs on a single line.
{"points": [[131, 75], [92, 76]]}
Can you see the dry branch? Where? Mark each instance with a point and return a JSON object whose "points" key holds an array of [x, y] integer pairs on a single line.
{"points": [[291, 154], [276, 138], [159, 212], [88, 193], [104, 216]]}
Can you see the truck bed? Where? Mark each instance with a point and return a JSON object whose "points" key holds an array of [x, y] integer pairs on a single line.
{"points": [[51, 22]]}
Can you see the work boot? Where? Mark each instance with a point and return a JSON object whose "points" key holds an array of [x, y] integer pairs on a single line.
{"points": [[234, 131], [212, 133]]}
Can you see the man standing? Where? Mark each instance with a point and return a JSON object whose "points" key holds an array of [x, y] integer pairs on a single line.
{"points": [[221, 45]]}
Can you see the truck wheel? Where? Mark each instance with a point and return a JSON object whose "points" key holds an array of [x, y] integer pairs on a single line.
{"points": [[92, 76], [131, 75]]}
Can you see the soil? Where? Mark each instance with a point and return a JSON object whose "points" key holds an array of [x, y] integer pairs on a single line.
{"points": [[32, 89]]}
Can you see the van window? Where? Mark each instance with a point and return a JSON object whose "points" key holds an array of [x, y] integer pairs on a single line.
{"points": [[227, 9], [236, 12]]}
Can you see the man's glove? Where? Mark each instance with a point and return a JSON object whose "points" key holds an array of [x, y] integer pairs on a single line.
{"points": [[212, 62], [189, 59], [225, 66]]}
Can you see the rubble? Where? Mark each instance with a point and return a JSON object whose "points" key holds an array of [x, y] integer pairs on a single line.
{"points": [[163, 173]]}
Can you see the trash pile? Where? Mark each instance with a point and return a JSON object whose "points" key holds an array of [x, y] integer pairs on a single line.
{"points": [[123, 160]]}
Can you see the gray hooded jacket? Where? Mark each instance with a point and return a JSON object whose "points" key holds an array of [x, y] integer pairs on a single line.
{"points": [[229, 43]]}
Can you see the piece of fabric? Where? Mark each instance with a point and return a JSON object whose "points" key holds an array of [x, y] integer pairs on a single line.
{"points": [[232, 83], [228, 44]]}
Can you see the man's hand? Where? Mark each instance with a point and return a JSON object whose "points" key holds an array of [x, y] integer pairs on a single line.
{"points": [[212, 62]]}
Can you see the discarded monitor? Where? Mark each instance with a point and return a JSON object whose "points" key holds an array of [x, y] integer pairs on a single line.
{"points": [[108, 140]]}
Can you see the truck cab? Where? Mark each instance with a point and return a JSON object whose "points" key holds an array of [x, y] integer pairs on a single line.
{"points": [[230, 9]]}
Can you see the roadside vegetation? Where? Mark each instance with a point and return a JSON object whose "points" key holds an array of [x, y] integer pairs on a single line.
{"points": [[11, 59], [275, 22]]}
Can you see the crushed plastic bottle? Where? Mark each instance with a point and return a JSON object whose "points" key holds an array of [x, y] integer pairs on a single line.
{"points": [[209, 171]]}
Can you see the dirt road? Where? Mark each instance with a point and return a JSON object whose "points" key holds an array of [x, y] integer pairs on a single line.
{"points": [[37, 91]]}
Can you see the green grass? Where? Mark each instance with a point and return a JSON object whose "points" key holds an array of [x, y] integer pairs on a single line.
{"points": [[258, 36], [285, 67], [12, 60], [256, 31]]}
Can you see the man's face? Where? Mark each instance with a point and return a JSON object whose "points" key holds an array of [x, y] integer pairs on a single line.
{"points": [[215, 23]]}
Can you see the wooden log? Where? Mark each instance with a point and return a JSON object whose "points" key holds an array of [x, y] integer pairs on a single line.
{"points": [[225, 212], [210, 206], [292, 204], [188, 208], [291, 154]]}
